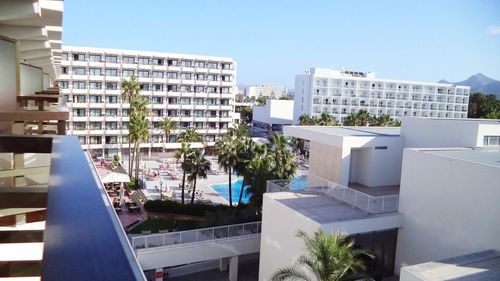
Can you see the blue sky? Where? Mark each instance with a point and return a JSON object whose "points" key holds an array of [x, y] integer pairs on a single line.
{"points": [[274, 40]]}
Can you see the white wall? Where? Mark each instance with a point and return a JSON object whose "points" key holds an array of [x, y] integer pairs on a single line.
{"points": [[450, 206], [46, 81], [279, 247], [8, 79], [31, 79], [274, 112], [302, 96]]}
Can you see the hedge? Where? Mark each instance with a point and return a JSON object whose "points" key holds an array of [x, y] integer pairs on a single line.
{"points": [[173, 207]]}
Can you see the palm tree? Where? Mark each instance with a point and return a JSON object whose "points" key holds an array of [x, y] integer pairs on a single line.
{"points": [[285, 165], [261, 169], [183, 154], [130, 91], [198, 167], [138, 128], [239, 131], [190, 135], [364, 118], [168, 125], [227, 148], [305, 119], [245, 151], [329, 258], [326, 119]]}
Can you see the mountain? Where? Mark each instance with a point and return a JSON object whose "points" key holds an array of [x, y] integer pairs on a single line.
{"points": [[479, 83]]}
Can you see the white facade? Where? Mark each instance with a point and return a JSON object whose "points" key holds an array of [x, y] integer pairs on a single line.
{"points": [[268, 91], [274, 114], [343, 92], [195, 91]]}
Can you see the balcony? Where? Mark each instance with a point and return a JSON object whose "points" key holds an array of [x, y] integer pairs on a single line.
{"points": [[363, 198], [57, 205]]}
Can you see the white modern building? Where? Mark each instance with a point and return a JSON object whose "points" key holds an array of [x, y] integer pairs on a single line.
{"points": [[273, 115], [195, 91], [267, 91], [341, 92], [422, 193]]}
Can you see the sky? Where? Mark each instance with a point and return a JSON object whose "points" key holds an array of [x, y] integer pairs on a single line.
{"points": [[273, 40]]}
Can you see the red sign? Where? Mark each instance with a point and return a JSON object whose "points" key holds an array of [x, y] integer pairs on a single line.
{"points": [[159, 274]]}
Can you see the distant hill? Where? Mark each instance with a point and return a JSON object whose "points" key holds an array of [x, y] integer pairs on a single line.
{"points": [[479, 83]]}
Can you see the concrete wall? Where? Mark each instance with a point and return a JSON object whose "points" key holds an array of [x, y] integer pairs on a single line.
{"points": [[279, 247], [46, 81], [450, 206], [325, 161], [274, 112], [302, 97], [8, 79], [31, 79]]}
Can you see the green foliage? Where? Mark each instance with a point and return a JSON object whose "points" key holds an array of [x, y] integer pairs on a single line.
{"points": [[246, 114], [261, 101], [173, 207], [197, 166], [226, 147], [182, 154], [155, 225], [168, 125], [190, 135], [484, 106], [329, 258], [242, 214]]}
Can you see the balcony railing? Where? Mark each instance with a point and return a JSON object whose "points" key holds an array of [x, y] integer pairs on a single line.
{"points": [[358, 199], [234, 231]]}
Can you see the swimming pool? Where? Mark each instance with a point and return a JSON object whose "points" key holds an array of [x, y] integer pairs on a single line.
{"points": [[298, 183], [223, 189]]}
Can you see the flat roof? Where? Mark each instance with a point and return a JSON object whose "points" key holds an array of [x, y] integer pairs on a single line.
{"points": [[482, 266], [319, 207], [346, 131], [484, 156]]}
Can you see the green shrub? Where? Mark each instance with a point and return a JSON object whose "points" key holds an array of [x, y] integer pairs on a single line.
{"points": [[173, 207]]}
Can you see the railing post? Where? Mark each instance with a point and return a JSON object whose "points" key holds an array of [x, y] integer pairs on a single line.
{"points": [[213, 233], [180, 237], [163, 239], [243, 229], [383, 204], [146, 245], [197, 236], [228, 231]]}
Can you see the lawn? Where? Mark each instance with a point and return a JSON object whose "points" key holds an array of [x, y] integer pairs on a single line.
{"points": [[154, 225]]}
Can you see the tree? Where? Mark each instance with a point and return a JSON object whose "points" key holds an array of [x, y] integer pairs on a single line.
{"points": [[183, 154], [130, 91], [284, 162], [226, 147], [261, 101], [138, 128], [190, 135], [246, 114], [261, 169], [326, 119], [198, 167], [483, 106], [168, 125], [361, 118], [329, 258], [238, 131], [246, 152]]}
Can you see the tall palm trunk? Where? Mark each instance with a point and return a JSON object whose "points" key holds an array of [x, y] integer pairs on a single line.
{"points": [[131, 160], [230, 189], [241, 191], [183, 182], [129, 157], [194, 189], [137, 157]]}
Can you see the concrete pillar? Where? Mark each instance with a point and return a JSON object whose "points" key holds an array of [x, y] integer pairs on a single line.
{"points": [[233, 268], [159, 274], [223, 264]]}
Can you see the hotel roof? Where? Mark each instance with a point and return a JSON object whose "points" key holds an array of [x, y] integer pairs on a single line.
{"points": [[484, 156]]}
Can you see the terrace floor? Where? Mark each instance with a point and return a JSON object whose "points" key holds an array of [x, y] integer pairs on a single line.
{"points": [[376, 191]]}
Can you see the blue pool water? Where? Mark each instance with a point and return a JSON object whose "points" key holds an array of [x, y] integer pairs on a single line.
{"points": [[298, 183]]}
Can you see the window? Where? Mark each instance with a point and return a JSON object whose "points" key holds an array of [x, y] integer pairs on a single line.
{"points": [[111, 112], [172, 101], [185, 101], [158, 87], [128, 73], [95, 112], [171, 88], [225, 90], [211, 77], [80, 99], [111, 72], [185, 88], [143, 73], [78, 126], [111, 99], [95, 125], [172, 62], [200, 64], [125, 112], [224, 102], [172, 75], [63, 84], [158, 61], [94, 99], [64, 70], [125, 126], [94, 71], [223, 125], [186, 76], [224, 114], [200, 77], [111, 139], [95, 58], [129, 60], [111, 85], [111, 59], [95, 140], [226, 78], [198, 113], [185, 113], [172, 113], [187, 63], [95, 85], [491, 140], [198, 101], [145, 87], [226, 66], [111, 125], [64, 56], [79, 85], [80, 112], [199, 89], [211, 89], [213, 65], [83, 140], [79, 57], [212, 101], [144, 61], [78, 71], [158, 74]]}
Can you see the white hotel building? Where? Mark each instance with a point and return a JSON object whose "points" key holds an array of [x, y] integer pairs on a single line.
{"points": [[195, 91], [343, 92]]}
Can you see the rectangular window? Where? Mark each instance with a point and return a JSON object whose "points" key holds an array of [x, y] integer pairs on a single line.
{"points": [[172, 62], [200, 77], [187, 63], [95, 140], [111, 125], [78, 126], [157, 61], [144, 61], [64, 70], [211, 77], [213, 65], [79, 57], [95, 58], [94, 71], [128, 73], [95, 125], [198, 101], [95, 85], [226, 66], [80, 112], [110, 112], [94, 99], [143, 73], [125, 126], [172, 113], [63, 84], [172, 88], [80, 99], [173, 101], [185, 101], [158, 74], [158, 87], [225, 90], [64, 56], [185, 88], [212, 101], [200, 64], [125, 112], [111, 99], [111, 59], [198, 113], [78, 71], [172, 75], [199, 89], [95, 113], [224, 114], [111, 72], [79, 85], [83, 140], [491, 140], [145, 87], [186, 76], [111, 86], [129, 60]]}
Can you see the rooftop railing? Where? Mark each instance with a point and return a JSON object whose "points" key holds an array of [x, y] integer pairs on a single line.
{"points": [[369, 203], [226, 232]]}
